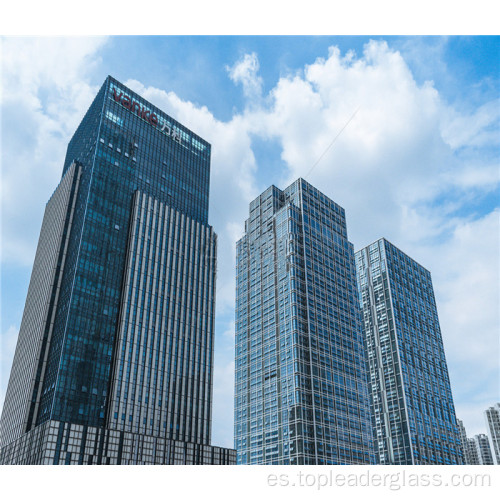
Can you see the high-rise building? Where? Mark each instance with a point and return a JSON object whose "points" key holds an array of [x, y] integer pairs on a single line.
{"points": [[114, 358], [471, 447], [483, 449], [463, 440], [472, 453], [413, 414], [492, 416], [300, 390]]}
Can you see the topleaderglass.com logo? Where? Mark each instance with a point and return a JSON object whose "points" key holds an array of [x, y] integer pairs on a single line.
{"points": [[392, 481]]}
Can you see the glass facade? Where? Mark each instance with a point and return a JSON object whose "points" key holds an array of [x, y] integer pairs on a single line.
{"points": [[413, 414], [300, 388], [161, 384], [126, 338]]}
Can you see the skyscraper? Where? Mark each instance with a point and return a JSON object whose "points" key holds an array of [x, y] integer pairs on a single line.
{"points": [[413, 414], [463, 440], [300, 394], [470, 447], [483, 449], [472, 453], [114, 358], [492, 416]]}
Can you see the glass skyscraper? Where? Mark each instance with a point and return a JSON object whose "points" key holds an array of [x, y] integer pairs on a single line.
{"points": [[413, 414], [300, 388], [114, 358]]}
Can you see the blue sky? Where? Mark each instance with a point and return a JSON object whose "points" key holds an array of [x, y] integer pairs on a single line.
{"points": [[418, 163]]}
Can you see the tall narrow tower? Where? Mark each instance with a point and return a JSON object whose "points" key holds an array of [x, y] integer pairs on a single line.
{"points": [[413, 415], [301, 395], [492, 416], [115, 351]]}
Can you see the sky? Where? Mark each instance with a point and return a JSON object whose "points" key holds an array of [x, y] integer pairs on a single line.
{"points": [[403, 132]]}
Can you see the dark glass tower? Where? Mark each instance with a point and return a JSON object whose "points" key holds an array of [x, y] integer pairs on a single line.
{"points": [[301, 395], [413, 414], [116, 340]]}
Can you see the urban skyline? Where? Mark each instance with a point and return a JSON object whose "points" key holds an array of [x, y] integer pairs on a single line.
{"points": [[377, 165], [478, 449], [483, 449]]}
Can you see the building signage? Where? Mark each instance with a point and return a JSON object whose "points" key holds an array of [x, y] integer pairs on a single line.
{"points": [[145, 114]]}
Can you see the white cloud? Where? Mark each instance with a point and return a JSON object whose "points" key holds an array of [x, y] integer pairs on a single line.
{"points": [[480, 128], [465, 271], [466, 279], [44, 96], [245, 72], [391, 147]]}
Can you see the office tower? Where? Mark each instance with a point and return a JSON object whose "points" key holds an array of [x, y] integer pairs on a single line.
{"points": [[114, 358], [483, 449], [413, 415], [492, 416], [300, 388]]}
